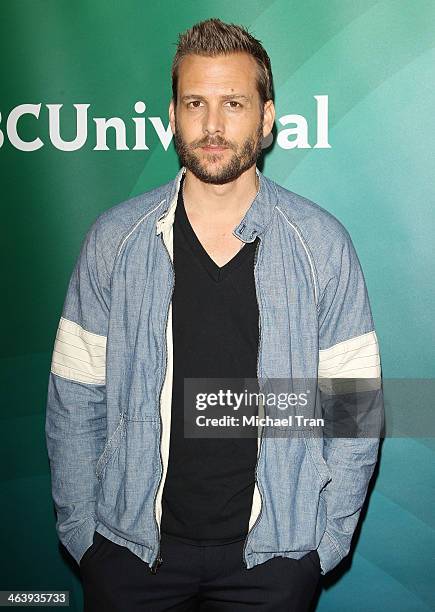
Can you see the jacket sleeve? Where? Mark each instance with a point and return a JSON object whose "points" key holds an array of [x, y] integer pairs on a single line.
{"points": [[75, 425], [350, 385]]}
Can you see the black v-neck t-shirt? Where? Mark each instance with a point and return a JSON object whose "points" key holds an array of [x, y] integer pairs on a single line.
{"points": [[208, 490]]}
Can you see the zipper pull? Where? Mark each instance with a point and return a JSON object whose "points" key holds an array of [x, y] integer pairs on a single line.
{"points": [[157, 563]]}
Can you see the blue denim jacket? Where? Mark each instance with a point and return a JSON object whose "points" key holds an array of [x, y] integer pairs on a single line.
{"points": [[109, 390]]}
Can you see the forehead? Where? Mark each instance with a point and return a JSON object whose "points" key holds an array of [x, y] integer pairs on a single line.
{"points": [[221, 74]]}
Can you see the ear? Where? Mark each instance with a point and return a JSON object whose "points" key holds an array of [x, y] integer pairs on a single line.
{"points": [[269, 117], [172, 115]]}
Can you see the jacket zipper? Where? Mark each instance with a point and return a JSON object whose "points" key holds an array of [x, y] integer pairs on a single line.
{"points": [[158, 559], [261, 435]]}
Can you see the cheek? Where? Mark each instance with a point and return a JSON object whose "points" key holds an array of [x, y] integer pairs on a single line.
{"points": [[240, 129], [245, 123], [192, 132], [190, 122]]}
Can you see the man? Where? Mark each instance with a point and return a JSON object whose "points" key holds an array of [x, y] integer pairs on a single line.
{"points": [[221, 273]]}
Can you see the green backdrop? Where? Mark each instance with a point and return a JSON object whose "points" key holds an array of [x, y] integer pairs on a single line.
{"points": [[375, 62]]}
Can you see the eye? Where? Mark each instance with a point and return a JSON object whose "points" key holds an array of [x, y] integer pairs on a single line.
{"points": [[194, 103], [234, 104]]}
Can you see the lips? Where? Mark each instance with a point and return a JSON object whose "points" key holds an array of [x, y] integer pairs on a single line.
{"points": [[214, 148]]}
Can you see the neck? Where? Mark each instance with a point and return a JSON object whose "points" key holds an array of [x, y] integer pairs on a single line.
{"points": [[220, 202]]}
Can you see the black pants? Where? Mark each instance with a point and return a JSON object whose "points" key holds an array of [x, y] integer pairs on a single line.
{"points": [[194, 578]]}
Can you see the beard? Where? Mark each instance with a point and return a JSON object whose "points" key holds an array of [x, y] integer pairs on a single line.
{"points": [[243, 157]]}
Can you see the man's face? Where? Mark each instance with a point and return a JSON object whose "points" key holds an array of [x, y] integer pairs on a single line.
{"points": [[217, 124]]}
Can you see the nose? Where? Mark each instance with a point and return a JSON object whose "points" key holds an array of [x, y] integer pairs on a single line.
{"points": [[213, 121]]}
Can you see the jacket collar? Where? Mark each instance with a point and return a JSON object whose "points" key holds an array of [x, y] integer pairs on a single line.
{"points": [[253, 223]]}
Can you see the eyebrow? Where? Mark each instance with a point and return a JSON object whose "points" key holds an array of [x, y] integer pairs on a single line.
{"points": [[224, 97]]}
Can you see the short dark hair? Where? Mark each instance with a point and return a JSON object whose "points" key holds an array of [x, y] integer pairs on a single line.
{"points": [[214, 37]]}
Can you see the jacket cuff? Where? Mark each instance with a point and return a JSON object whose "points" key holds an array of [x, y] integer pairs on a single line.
{"points": [[329, 554], [82, 539]]}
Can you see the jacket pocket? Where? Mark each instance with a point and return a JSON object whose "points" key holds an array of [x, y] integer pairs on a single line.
{"points": [[128, 476], [294, 509], [314, 446], [110, 448], [112, 477]]}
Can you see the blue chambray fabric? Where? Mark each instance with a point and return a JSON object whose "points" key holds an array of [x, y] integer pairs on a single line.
{"points": [[104, 437]]}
